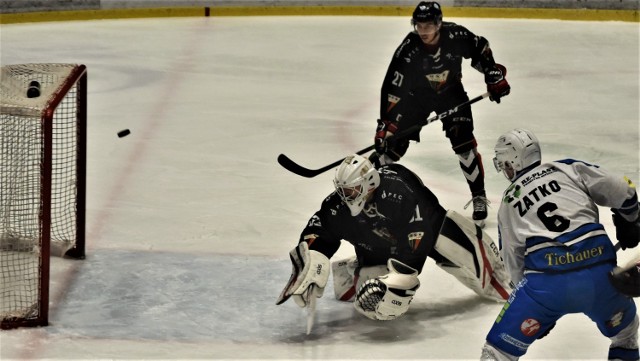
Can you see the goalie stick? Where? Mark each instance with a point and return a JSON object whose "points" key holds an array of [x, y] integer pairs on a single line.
{"points": [[294, 167], [311, 309]]}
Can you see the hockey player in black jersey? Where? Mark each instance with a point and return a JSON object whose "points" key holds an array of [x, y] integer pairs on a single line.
{"points": [[394, 223], [425, 76]]}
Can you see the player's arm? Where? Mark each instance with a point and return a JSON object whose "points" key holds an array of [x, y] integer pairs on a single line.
{"points": [[610, 190], [394, 95], [512, 252], [397, 81], [310, 258], [479, 50]]}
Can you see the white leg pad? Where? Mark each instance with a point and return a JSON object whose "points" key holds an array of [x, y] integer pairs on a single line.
{"points": [[481, 269], [343, 278], [345, 283], [367, 273]]}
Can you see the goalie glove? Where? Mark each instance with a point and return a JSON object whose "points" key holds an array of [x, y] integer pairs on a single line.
{"points": [[388, 297], [308, 268]]}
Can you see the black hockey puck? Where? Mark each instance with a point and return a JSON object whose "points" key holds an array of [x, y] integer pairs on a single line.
{"points": [[34, 89], [123, 133]]}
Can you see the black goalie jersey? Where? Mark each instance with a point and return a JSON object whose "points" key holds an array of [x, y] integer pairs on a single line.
{"points": [[402, 222]]}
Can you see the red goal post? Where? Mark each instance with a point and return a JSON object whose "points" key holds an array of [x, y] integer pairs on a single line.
{"points": [[43, 138]]}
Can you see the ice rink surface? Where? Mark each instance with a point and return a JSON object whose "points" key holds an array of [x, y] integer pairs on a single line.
{"points": [[190, 218]]}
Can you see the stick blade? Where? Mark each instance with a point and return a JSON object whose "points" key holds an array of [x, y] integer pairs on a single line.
{"points": [[311, 309], [294, 167]]}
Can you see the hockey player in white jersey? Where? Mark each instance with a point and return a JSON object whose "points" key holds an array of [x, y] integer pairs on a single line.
{"points": [[556, 250]]}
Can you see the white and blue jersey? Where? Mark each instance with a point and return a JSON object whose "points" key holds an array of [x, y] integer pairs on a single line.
{"points": [[548, 219], [558, 253]]}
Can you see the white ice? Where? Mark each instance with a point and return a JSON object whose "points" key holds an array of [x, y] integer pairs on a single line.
{"points": [[190, 218]]}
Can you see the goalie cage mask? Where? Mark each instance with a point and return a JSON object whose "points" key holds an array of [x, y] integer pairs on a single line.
{"points": [[355, 179]]}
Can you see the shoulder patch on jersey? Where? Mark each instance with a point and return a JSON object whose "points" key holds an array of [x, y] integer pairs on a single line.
{"points": [[629, 182], [570, 161]]}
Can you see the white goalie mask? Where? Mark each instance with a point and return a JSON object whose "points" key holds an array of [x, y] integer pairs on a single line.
{"points": [[516, 150], [355, 179]]}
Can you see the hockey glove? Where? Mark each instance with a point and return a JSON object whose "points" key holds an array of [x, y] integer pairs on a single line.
{"points": [[388, 297], [628, 233], [309, 268], [384, 130], [627, 282], [497, 84]]}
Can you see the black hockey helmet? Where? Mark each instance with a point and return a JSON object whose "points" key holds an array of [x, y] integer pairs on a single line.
{"points": [[427, 11]]}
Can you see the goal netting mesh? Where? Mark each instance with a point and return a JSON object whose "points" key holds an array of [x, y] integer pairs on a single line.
{"points": [[39, 176]]}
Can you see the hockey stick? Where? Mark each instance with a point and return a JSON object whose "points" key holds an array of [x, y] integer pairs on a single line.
{"points": [[294, 167], [311, 309]]}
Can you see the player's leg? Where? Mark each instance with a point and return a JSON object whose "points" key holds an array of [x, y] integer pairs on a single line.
{"points": [[458, 128], [348, 276], [521, 321]]}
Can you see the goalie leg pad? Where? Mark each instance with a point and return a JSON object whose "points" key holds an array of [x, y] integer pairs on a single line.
{"points": [[343, 278], [369, 273], [474, 258], [308, 268]]}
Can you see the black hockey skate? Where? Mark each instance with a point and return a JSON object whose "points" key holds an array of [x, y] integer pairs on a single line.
{"points": [[480, 204]]}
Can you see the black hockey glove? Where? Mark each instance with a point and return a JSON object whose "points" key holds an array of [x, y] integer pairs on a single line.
{"points": [[497, 84], [627, 282], [627, 233], [384, 130]]}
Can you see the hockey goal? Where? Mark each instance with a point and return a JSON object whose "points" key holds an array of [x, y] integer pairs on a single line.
{"points": [[43, 113]]}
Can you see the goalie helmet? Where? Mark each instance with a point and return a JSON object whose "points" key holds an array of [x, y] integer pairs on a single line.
{"points": [[427, 11], [355, 179], [516, 150]]}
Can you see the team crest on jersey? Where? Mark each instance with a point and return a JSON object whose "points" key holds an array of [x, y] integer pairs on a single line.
{"points": [[438, 80], [414, 240], [511, 193], [615, 320], [530, 327]]}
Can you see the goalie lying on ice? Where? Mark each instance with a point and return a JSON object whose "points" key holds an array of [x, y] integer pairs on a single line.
{"points": [[394, 223]]}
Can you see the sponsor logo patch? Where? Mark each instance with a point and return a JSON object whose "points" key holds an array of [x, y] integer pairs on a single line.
{"points": [[530, 327]]}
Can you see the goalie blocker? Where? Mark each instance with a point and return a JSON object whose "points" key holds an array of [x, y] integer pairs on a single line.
{"points": [[462, 249]]}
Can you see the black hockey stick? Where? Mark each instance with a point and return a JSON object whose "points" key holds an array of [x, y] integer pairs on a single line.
{"points": [[294, 167]]}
